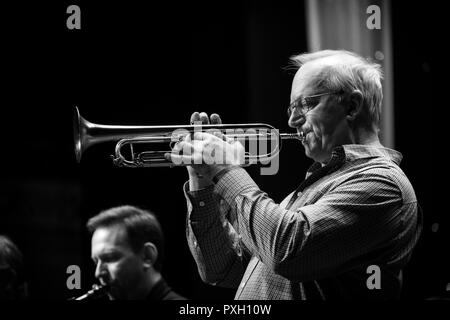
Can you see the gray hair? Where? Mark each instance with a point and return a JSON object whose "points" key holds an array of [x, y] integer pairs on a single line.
{"points": [[346, 71]]}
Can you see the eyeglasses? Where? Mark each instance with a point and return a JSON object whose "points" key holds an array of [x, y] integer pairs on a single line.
{"points": [[306, 104]]}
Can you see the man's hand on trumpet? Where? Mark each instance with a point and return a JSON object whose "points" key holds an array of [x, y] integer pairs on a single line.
{"points": [[206, 153]]}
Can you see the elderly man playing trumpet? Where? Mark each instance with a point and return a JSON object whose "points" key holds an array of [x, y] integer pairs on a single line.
{"points": [[346, 232]]}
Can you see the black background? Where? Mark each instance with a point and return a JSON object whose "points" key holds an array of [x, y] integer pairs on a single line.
{"points": [[156, 63]]}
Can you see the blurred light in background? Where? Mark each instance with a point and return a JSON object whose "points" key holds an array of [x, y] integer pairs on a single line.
{"points": [[361, 26]]}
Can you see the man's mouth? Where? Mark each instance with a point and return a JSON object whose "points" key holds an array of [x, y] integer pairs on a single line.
{"points": [[105, 282], [303, 135]]}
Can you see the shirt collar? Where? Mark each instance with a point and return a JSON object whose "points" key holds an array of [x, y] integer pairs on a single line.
{"points": [[360, 151], [353, 152]]}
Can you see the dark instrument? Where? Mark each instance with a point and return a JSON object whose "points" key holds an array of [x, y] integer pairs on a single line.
{"points": [[97, 292]]}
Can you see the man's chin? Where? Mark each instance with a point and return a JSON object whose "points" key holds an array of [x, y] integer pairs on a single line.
{"points": [[311, 154], [114, 293], [115, 297], [308, 152]]}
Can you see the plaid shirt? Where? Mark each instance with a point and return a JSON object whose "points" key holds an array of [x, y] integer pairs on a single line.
{"points": [[357, 211]]}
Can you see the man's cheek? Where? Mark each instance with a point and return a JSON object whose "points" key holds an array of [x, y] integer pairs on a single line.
{"points": [[115, 272]]}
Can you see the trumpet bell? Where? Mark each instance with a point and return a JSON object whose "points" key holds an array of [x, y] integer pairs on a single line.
{"points": [[78, 125]]}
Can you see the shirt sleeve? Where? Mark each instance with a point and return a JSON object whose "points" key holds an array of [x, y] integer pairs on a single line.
{"points": [[212, 239], [348, 224]]}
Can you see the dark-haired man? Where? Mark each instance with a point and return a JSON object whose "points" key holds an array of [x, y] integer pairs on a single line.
{"points": [[12, 280], [127, 249]]}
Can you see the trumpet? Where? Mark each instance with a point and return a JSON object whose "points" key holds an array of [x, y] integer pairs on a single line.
{"points": [[256, 135], [97, 292]]}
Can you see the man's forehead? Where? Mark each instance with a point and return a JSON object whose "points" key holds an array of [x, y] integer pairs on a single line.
{"points": [[109, 237], [305, 80]]}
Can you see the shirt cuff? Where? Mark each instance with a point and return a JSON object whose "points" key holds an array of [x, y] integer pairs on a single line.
{"points": [[219, 175], [201, 203]]}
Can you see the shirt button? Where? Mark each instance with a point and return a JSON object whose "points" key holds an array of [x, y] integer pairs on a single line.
{"points": [[201, 204], [299, 194], [195, 243]]}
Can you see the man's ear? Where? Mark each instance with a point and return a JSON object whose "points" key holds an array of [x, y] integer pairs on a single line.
{"points": [[354, 106], [149, 254]]}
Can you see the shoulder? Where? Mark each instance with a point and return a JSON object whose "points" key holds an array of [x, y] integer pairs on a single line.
{"points": [[376, 179]]}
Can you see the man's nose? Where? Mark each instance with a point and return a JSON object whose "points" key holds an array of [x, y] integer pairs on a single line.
{"points": [[296, 119], [100, 269]]}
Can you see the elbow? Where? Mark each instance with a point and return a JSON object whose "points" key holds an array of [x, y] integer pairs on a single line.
{"points": [[289, 245], [283, 257], [287, 263], [217, 280], [286, 269], [282, 268], [301, 268], [277, 264], [209, 278]]}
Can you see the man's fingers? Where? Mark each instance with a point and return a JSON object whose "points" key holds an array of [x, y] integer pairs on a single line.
{"points": [[179, 159], [218, 134], [183, 147], [188, 138], [228, 139], [204, 118], [215, 119], [205, 135], [195, 117]]}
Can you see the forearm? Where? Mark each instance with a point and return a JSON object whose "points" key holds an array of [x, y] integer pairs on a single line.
{"points": [[266, 228], [212, 240]]}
